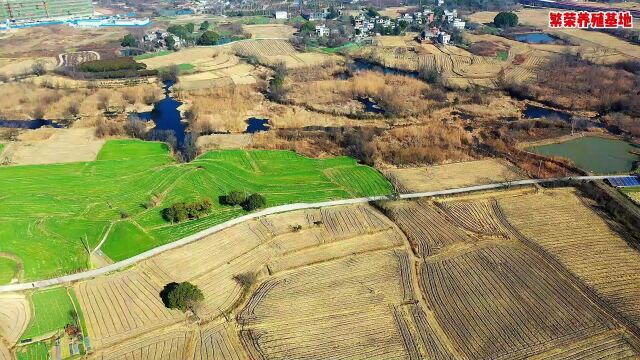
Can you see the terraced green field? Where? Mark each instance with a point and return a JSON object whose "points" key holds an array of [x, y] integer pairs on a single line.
{"points": [[53, 216]]}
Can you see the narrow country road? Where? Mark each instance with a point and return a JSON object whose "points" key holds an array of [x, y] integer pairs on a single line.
{"points": [[275, 210]]}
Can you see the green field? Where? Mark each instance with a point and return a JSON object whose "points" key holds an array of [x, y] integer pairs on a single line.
{"points": [[51, 312], [152, 55], [8, 268], [35, 351], [51, 214]]}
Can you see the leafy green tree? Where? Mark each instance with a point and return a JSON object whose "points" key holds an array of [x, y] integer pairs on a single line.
{"points": [[254, 201], [171, 43], [190, 27], [235, 198], [333, 13], [505, 20], [184, 296], [129, 40], [204, 26], [179, 31], [209, 38], [308, 27], [371, 12]]}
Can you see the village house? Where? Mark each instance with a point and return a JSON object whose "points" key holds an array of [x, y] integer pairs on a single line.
{"points": [[444, 38], [458, 24], [315, 16], [280, 15], [322, 30]]}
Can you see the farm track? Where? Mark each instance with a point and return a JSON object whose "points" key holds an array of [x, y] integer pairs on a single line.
{"points": [[270, 211]]}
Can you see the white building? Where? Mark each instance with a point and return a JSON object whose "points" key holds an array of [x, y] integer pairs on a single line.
{"points": [[280, 15], [444, 38], [450, 15], [458, 24], [322, 30]]}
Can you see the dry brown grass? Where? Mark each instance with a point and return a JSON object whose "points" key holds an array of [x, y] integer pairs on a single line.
{"points": [[455, 175], [222, 109], [399, 95], [27, 100]]}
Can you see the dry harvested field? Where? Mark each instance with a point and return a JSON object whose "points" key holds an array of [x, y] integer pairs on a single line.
{"points": [[15, 314], [275, 51], [28, 42], [212, 66], [455, 175], [457, 66], [340, 241], [270, 31], [468, 277], [584, 243], [51, 146], [19, 66]]}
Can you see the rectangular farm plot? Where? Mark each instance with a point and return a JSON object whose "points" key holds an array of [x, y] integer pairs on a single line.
{"points": [[53, 309], [501, 301]]}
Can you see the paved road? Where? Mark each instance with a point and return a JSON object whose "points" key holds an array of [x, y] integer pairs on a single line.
{"points": [[273, 210]]}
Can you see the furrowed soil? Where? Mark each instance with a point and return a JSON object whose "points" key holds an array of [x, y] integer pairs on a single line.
{"points": [[406, 280]]}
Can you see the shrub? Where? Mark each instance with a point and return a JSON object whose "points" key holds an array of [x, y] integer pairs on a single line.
{"points": [[129, 40], [234, 198], [254, 201], [183, 211], [106, 65]]}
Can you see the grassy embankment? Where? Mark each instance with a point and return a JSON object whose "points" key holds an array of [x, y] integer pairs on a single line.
{"points": [[53, 215]]}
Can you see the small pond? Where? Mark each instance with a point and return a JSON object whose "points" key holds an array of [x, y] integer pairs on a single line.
{"points": [[255, 125], [594, 154], [166, 116], [536, 112], [537, 38], [371, 106], [29, 124]]}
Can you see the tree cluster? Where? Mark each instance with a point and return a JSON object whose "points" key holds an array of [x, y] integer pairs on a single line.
{"points": [[182, 211], [106, 65], [249, 203], [129, 41]]}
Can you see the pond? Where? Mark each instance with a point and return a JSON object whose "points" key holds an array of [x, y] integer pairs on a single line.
{"points": [[537, 38], [166, 116], [29, 124], [536, 112], [594, 154], [255, 125], [371, 106]]}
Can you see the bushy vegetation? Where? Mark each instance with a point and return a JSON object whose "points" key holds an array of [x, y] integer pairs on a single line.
{"points": [[277, 90], [209, 38], [254, 202], [248, 202], [234, 198], [129, 41], [106, 65], [183, 211], [505, 20]]}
